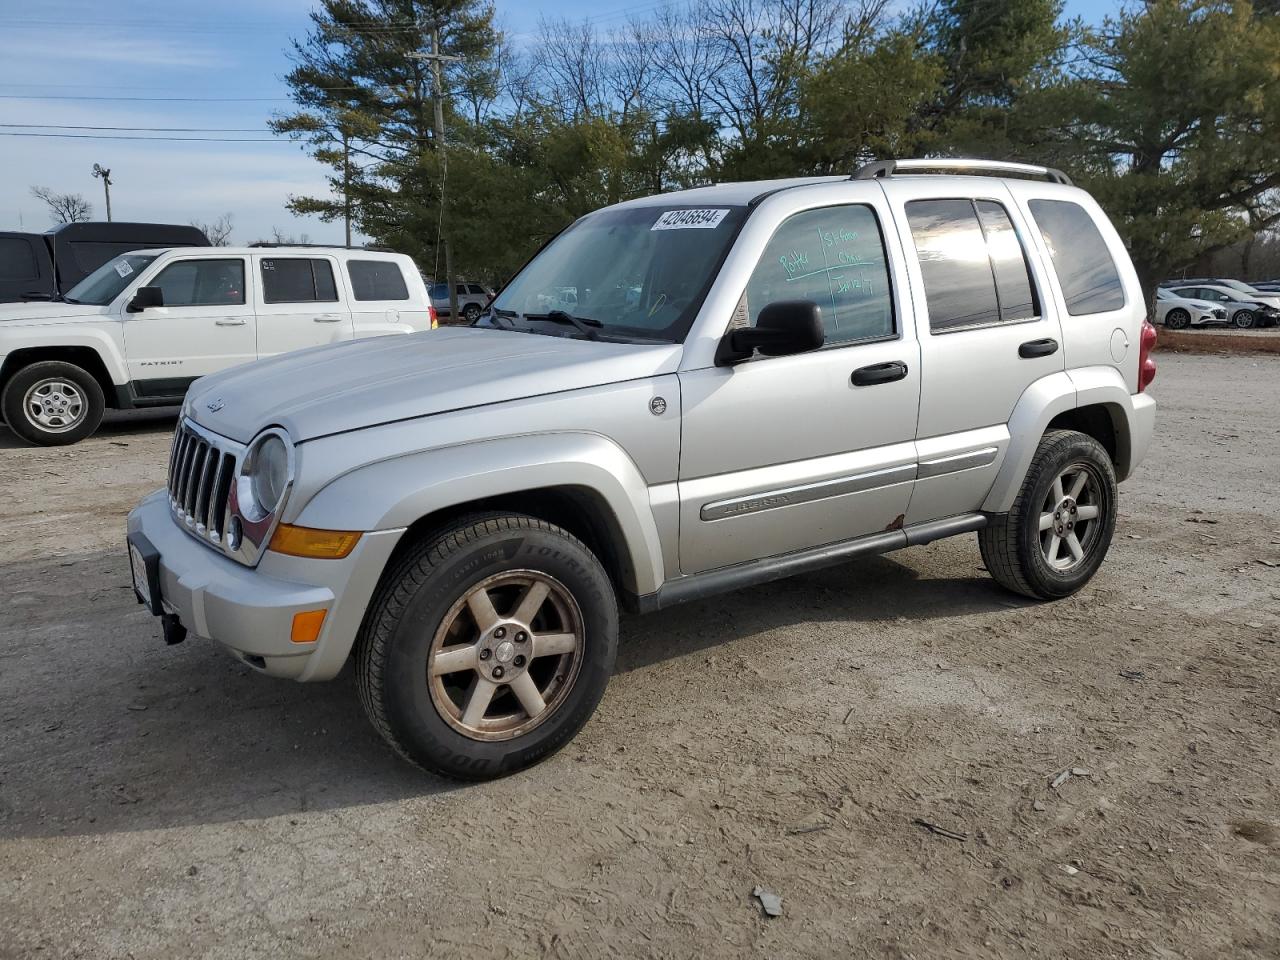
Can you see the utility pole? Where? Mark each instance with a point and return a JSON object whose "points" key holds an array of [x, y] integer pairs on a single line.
{"points": [[435, 58], [105, 176], [346, 183]]}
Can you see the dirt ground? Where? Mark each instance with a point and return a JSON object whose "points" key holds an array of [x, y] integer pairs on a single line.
{"points": [[166, 802]]}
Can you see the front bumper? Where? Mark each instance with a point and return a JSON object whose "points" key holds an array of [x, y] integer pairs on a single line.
{"points": [[249, 610]]}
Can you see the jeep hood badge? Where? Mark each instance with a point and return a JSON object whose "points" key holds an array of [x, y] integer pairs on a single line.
{"points": [[215, 405]]}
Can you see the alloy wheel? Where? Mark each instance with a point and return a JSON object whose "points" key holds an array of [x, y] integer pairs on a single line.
{"points": [[1069, 518], [506, 655], [54, 405]]}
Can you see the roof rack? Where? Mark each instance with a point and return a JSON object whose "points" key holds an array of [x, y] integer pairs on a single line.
{"points": [[374, 247], [887, 168]]}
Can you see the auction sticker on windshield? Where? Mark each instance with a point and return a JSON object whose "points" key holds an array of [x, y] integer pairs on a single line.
{"points": [[124, 268], [690, 219]]}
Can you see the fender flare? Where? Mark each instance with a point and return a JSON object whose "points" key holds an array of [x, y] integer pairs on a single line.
{"points": [[1058, 393], [394, 493]]}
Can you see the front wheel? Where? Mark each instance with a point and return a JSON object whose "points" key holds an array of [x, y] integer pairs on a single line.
{"points": [[488, 647], [1244, 319], [1177, 319], [53, 403], [471, 312], [1057, 534]]}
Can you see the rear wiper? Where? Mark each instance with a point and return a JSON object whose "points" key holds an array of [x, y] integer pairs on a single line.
{"points": [[586, 326]]}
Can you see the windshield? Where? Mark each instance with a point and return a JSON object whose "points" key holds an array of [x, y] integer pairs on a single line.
{"points": [[637, 272], [104, 284]]}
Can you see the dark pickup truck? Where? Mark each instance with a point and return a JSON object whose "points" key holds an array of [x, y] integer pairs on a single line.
{"points": [[42, 266]]}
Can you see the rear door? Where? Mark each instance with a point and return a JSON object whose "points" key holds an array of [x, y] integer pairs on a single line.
{"points": [[380, 299], [987, 332], [298, 304], [206, 325]]}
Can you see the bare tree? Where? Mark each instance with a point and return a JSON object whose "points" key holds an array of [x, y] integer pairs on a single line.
{"points": [[64, 207], [218, 232]]}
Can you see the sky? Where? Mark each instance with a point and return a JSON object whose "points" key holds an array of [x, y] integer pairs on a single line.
{"points": [[84, 63]]}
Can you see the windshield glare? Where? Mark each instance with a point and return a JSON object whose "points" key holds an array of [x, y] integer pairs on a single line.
{"points": [[638, 271], [104, 284]]}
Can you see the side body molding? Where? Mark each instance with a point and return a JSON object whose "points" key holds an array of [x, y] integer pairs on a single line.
{"points": [[396, 492]]}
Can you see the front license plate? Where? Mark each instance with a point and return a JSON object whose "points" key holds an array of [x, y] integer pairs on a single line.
{"points": [[144, 563]]}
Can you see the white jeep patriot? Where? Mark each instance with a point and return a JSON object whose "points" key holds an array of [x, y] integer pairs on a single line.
{"points": [[757, 379], [137, 331]]}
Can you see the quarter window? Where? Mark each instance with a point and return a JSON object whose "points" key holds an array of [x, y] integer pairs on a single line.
{"points": [[199, 283], [973, 265], [377, 280], [297, 280], [835, 257], [1087, 274]]}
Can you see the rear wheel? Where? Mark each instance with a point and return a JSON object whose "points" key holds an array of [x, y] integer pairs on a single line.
{"points": [[488, 647], [53, 403], [1177, 319], [1244, 319], [1057, 534]]}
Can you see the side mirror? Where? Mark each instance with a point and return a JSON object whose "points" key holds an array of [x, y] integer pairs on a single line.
{"points": [[783, 328], [145, 297]]}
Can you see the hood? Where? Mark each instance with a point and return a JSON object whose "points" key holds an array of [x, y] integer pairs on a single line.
{"points": [[362, 383], [43, 311]]}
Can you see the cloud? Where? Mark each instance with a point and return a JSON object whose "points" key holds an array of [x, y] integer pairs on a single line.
{"points": [[134, 48]]}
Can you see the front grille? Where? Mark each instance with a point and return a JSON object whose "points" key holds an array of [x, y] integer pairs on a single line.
{"points": [[202, 467]]}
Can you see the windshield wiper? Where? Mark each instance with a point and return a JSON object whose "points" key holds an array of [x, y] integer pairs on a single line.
{"points": [[586, 326], [498, 314]]}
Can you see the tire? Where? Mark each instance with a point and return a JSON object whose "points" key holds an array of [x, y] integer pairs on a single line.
{"points": [[1017, 553], [1177, 319], [420, 619], [1243, 319], [70, 400], [471, 312]]}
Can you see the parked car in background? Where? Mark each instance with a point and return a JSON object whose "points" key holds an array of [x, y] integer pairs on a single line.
{"points": [[813, 370], [142, 327], [1244, 310], [1178, 313], [472, 299], [43, 266]]}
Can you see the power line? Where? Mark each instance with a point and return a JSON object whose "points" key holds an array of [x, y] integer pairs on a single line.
{"points": [[85, 126], [16, 96], [104, 136]]}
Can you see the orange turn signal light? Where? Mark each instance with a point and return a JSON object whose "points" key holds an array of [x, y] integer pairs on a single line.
{"points": [[309, 542], [306, 626]]}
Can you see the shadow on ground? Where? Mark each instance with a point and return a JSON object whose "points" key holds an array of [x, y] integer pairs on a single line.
{"points": [[116, 423], [107, 729]]}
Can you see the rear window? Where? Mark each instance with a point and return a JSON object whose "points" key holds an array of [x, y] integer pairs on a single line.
{"points": [[297, 280], [17, 260], [376, 280], [1088, 276]]}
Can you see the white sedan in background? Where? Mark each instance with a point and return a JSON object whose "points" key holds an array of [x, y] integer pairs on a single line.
{"points": [[1178, 313]]}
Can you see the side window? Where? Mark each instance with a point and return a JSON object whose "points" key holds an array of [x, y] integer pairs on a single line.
{"points": [[17, 260], [835, 257], [297, 280], [1088, 276], [199, 283], [974, 268], [474, 290], [377, 280], [1008, 264]]}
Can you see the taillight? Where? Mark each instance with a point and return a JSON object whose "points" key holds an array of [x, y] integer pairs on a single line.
{"points": [[1146, 362], [433, 317]]}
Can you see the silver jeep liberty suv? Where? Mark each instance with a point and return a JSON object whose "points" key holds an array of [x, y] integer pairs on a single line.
{"points": [[679, 395]]}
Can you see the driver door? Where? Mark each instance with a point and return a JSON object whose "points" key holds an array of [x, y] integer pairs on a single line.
{"points": [[783, 453], [207, 323]]}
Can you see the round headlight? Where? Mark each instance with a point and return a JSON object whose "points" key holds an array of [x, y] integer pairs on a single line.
{"points": [[264, 477], [270, 472]]}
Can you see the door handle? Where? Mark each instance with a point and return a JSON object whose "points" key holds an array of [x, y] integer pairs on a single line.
{"points": [[879, 373], [231, 322], [328, 318], [1038, 348]]}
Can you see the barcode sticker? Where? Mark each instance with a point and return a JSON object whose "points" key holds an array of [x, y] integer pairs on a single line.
{"points": [[690, 219], [124, 268]]}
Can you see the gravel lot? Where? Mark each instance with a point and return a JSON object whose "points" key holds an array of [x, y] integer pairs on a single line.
{"points": [[166, 802]]}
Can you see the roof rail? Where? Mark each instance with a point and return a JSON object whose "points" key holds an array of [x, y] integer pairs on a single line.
{"points": [[887, 168], [373, 247]]}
